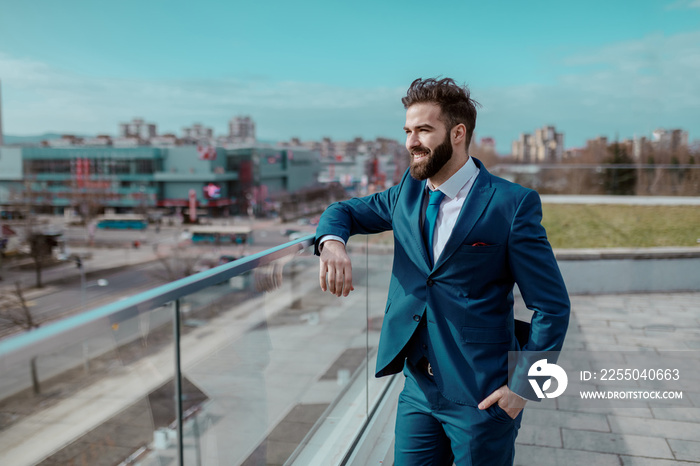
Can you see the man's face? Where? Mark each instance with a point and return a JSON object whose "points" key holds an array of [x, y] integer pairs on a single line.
{"points": [[427, 140]]}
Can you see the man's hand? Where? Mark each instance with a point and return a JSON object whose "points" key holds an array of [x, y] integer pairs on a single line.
{"points": [[509, 402], [336, 267]]}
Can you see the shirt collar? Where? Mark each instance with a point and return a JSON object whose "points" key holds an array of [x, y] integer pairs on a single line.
{"points": [[456, 182]]}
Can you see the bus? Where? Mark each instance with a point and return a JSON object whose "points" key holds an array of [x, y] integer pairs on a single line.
{"points": [[122, 222], [221, 235]]}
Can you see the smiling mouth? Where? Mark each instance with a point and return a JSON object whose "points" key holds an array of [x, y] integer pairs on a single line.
{"points": [[419, 154]]}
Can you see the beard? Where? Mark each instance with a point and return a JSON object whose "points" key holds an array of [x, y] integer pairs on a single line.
{"points": [[436, 159]]}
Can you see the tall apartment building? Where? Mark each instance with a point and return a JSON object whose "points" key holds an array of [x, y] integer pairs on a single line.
{"points": [[1, 139], [641, 148], [597, 148], [663, 142], [241, 129], [137, 128], [196, 133], [545, 146], [670, 140], [522, 148]]}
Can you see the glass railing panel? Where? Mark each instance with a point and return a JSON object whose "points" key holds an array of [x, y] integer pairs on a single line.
{"points": [[335, 434], [380, 257], [265, 362], [94, 393], [271, 359]]}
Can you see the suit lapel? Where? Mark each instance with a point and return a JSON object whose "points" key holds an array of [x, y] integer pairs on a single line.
{"points": [[474, 205], [407, 223]]}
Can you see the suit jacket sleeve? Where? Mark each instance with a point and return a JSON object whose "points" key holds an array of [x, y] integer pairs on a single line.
{"points": [[535, 270], [365, 215]]}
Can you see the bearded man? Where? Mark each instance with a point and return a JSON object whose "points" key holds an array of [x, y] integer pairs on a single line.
{"points": [[462, 239]]}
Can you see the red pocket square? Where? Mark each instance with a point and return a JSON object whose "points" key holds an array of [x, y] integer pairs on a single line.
{"points": [[480, 244]]}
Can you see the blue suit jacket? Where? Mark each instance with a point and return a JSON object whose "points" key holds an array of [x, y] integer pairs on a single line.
{"points": [[467, 297]]}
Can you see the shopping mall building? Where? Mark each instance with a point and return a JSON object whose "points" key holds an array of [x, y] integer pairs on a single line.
{"points": [[220, 181]]}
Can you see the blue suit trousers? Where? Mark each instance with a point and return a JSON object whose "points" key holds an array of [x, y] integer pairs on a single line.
{"points": [[434, 431]]}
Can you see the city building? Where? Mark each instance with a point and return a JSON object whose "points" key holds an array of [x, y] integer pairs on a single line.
{"points": [[197, 134], [488, 144], [2, 142], [544, 146], [359, 165], [137, 128], [241, 130], [641, 148], [65, 140], [146, 178], [669, 141], [597, 149]]}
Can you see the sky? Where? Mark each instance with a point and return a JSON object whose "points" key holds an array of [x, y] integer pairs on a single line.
{"points": [[312, 69]]}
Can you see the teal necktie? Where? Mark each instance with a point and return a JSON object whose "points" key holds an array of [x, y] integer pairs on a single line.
{"points": [[431, 214]]}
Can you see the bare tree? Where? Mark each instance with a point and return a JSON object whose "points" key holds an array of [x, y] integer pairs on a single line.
{"points": [[14, 312], [41, 251], [176, 262]]}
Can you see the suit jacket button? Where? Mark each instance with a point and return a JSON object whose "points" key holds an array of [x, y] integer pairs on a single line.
{"points": [[416, 318], [430, 282]]}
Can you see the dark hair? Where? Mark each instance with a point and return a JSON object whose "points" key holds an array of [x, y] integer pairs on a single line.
{"points": [[455, 104]]}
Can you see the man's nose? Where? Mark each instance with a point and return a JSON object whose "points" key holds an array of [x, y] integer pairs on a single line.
{"points": [[412, 140]]}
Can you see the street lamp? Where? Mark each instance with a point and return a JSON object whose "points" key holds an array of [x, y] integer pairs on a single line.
{"points": [[83, 285]]}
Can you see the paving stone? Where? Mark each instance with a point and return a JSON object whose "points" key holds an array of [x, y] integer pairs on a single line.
{"points": [[676, 414], [619, 324], [613, 346], [616, 443], [602, 314], [641, 461], [539, 435], [549, 404], [567, 419], [655, 428], [575, 403], [694, 398], [608, 332], [597, 325], [658, 343], [527, 455], [685, 450], [574, 345]]}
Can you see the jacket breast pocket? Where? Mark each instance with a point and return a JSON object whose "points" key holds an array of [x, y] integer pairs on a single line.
{"points": [[492, 335]]}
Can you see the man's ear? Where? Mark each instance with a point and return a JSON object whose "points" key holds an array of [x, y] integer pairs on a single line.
{"points": [[458, 134]]}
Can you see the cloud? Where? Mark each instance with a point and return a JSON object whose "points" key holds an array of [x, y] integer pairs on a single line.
{"points": [[624, 88], [628, 88], [683, 5], [38, 98]]}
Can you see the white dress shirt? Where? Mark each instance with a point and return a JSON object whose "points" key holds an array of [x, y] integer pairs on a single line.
{"points": [[456, 189]]}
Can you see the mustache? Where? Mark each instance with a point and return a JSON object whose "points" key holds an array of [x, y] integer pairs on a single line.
{"points": [[419, 149]]}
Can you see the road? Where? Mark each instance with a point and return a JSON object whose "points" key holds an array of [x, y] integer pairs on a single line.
{"points": [[68, 298], [64, 293], [266, 233]]}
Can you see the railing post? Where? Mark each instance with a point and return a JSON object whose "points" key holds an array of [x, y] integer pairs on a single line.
{"points": [[178, 383], [367, 317]]}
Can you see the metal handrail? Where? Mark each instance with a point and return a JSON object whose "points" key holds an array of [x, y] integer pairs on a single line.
{"points": [[44, 339]]}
